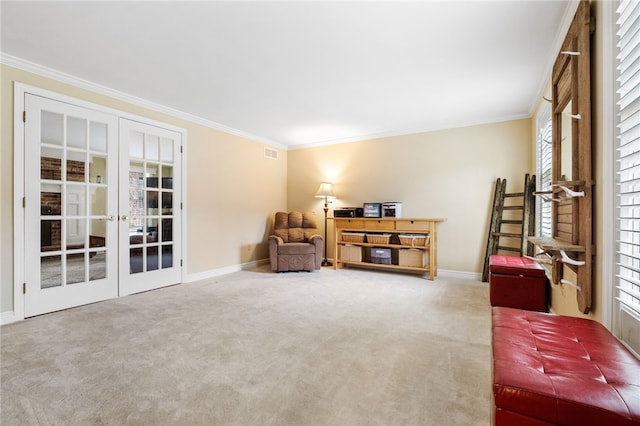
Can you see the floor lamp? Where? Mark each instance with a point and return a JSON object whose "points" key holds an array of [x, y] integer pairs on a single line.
{"points": [[325, 191]]}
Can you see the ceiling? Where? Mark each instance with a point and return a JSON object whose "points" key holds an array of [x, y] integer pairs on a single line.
{"points": [[300, 73]]}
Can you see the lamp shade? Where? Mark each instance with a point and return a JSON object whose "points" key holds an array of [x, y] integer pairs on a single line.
{"points": [[325, 190]]}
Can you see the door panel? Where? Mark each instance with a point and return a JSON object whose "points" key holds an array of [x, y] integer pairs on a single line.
{"points": [[70, 243], [150, 215]]}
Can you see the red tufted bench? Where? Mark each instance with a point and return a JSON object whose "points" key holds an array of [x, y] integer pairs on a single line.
{"points": [[551, 369]]}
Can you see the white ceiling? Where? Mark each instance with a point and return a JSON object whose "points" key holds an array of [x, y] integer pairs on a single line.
{"points": [[302, 73]]}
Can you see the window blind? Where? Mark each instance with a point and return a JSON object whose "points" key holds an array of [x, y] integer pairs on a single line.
{"points": [[543, 222], [627, 302]]}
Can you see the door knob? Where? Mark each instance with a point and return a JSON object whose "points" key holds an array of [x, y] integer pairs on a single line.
{"points": [[111, 218], [124, 217]]}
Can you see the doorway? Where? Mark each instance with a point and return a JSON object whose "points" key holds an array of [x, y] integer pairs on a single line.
{"points": [[102, 205]]}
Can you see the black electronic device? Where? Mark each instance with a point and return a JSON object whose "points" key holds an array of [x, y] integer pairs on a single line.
{"points": [[348, 212]]}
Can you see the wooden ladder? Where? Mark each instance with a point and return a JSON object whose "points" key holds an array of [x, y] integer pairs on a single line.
{"points": [[520, 224]]}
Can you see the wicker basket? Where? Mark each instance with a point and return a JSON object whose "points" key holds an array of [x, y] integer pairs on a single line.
{"points": [[414, 240], [353, 237], [378, 238]]}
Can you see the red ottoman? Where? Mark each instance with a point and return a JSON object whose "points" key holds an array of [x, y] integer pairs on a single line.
{"points": [[517, 282], [557, 370]]}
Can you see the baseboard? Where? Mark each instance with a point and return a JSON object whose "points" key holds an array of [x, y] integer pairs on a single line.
{"points": [[475, 276], [7, 317], [224, 271], [461, 275]]}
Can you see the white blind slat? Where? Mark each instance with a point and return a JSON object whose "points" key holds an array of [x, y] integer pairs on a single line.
{"points": [[629, 12], [630, 137], [627, 99], [630, 292]]}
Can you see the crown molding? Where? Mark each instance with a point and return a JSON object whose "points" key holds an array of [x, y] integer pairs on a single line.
{"points": [[406, 132], [53, 74]]}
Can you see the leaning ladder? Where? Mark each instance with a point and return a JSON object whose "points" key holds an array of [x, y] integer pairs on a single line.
{"points": [[520, 225]]}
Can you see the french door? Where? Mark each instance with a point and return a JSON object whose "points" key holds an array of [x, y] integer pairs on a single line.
{"points": [[150, 194], [102, 206], [71, 176]]}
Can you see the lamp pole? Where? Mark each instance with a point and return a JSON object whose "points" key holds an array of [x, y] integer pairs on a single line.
{"points": [[325, 191], [326, 262]]}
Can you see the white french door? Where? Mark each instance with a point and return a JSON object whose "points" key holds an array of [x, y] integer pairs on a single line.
{"points": [[71, 175], [150, 194], [102, 206]]}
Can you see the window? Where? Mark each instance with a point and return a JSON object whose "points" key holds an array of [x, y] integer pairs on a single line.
{"points": [[627, 167], [543, 172]]}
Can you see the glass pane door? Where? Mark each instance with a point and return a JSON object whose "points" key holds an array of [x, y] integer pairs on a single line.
{"points": [[150, 197], [71, 165]]}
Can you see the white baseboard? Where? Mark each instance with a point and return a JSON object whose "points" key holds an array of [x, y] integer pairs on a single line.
{"points": [[224, 271], [7, 318], [476, 276]]}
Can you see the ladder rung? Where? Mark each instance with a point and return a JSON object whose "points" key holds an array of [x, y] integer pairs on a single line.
{"points": [[507, 234], [512, 222], [516, 249], [512, 208], [515, 194]]}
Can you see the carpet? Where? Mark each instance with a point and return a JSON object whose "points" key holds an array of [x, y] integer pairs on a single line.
{"points": [[346, 347]]}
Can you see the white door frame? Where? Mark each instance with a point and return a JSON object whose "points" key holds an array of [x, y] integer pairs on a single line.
{"points": [[19, 92]]}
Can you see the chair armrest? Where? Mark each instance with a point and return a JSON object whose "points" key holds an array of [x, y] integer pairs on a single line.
{"points": [[274, 239], [316, 239], [274, 242], [318, 242]]}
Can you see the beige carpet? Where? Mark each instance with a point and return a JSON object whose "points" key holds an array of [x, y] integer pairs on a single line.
{"points": [[348, 347]]}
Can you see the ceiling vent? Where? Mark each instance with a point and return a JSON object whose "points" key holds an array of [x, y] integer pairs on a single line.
{"points": [[270, 153]]}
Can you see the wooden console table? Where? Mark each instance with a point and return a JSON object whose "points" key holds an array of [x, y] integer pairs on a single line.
{"points": [[412, 243]]}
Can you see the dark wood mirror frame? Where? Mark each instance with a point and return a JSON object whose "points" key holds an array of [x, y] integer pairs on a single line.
{"points": [[571, 210]]}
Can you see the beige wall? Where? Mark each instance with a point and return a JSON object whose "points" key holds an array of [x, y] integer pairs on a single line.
{"points": [[232, 189], [447, 174]]}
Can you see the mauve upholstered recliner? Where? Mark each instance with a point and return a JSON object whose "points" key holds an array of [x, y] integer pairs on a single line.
{"points": [[295, 244]]}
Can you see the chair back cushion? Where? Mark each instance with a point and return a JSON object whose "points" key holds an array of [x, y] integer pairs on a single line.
{"points": [[295, 227]]}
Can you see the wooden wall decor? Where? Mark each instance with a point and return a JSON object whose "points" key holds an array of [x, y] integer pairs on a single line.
{"points": [[572, 243]]}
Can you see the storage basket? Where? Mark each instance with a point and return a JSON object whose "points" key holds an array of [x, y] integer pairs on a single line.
{"points": [[349, 253], [381, 255], [413, 258], [378, 238], [353, 237], [414, 240]]}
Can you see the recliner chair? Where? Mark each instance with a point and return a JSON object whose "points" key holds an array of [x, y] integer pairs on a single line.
{"points": [[295, 244]]}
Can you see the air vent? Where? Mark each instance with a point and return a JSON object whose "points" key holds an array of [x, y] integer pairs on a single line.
{"points": [[270, 153]]}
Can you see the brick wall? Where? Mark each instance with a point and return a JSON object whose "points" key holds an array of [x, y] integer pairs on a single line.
{"points": [[51, 168], [51, 202]]}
